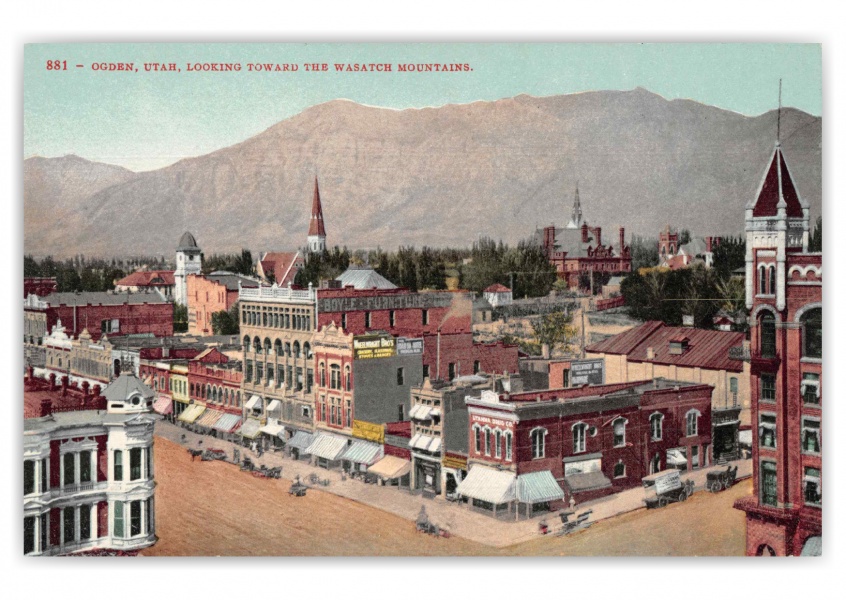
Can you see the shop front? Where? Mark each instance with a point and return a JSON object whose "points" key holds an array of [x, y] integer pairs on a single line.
{"points": [[250, 430], [537, 492], [298, 444], [227, 425], [205, 424], [326, 450], [360, 455], [490, 491], [273, 435], [392, 470], [190, 415], [454, 470]]}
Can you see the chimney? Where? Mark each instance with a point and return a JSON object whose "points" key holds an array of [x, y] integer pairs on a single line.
{"points": [[95, 391], [598, 232], [30, 372], [85, 387], [622, 239], [687, 320], [52, 381], [650, 353], [584, 233], [545, 351], [46, 407], [65, 381]]}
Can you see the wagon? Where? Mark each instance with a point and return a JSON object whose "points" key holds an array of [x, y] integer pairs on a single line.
{"points": [[721, 480], [298, 488], [214, 454], [668, 487]]}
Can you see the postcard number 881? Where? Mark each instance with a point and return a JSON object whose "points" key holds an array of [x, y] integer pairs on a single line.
{"points": [[57, 65]]}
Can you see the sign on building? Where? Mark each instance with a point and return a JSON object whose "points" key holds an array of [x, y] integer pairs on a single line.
{"points": [[368, 431], [373, 346], [591, 372], [409, 346]]}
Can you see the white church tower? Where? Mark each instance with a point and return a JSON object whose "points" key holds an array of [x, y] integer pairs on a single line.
{"points": [[188, 262]]}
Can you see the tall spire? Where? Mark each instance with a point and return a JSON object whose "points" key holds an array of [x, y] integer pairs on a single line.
{"points": [[315, 226], [576, 217], [778, 119]]}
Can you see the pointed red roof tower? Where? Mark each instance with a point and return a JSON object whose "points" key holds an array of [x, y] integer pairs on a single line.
{"points": [[316, 229]]}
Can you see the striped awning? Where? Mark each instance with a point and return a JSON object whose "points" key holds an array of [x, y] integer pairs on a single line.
{"points": [[301, 440], [361, 452], [227, 423], [327, 446], [423, 442], [192, 413], [163, 405], [250, 428], [274, 429], [209, 418], [538, 487], [421, 412], [391, 467], [488, 485]]}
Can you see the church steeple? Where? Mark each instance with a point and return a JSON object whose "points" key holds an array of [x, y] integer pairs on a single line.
{"points": [[316, 229], [576, 217]]}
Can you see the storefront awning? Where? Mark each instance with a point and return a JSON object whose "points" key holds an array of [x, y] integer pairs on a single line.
{"points": [[585, 482], [745, 437], [192, 413], [163, 405], [391, 467], [488, 485], [274, 405], [301, 440], [538, 487], [422, 442], [209, 418], [253, 402], [250, 428], [327, 446], [227, 423], [274, 429], [421, 412], [676, 458], [365, 453]]}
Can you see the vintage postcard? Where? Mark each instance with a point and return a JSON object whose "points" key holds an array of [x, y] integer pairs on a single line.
{"points": [[422, 299]]}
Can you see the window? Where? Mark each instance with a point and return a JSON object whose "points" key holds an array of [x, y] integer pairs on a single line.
{"points": [[498, 443], [767, 326], [811, 388], [309, 380], [425, 371], [619, 432], [85, 466], [812, 333], [487, 442], [401, 412], [767, 431], [772, 279], [299, 378], [69, 525], [762, 280], [344, 321], [656, 423], [259, 372], [812, 487], [476, 366], [349, 413], [733, 390], [335, 377], [118, 519], [44, 528], [248, 374], [322, 375], [507, 445], [478, 437], [768, 386], [29, 535], [451, 371], [810, 436], [401, 376], [85, 522], [347, 378], [619, 470], [148, 462], [135, 518], [134, 464], [538, 437], [270, 376], [425, 317], [68, 464], [692, 420], [367, 320], [29, 477], [118, 466], [148, 505], [392, 318], [769, 494], [579, 437]]}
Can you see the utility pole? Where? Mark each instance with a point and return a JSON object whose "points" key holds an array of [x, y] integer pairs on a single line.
{"points": [[583, 330]]}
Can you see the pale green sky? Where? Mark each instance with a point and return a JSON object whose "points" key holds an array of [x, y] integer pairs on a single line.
{"points": [[147, 120]]}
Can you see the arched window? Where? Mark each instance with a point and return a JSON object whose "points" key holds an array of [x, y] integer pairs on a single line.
{"points": [[538, 437], [498, 443], [508, 441], [238, 398], [322, 375], [812, 333], [619, 432], [656, 425], [307, 349], [277, 347], [267, 345], [347, 378], [619, 470], [335, 377], [579, 437], [246, 343], [296, 349], [762, 280], [487, 442], [477, 431], [692, 422], [288, 349], [772, 278], [257, 345], [767, 327]]}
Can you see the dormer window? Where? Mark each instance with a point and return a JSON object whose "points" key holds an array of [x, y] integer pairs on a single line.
{"points": [[679, 345]]}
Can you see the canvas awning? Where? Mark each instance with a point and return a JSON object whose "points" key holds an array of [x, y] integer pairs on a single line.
{"points": [[163, 405], [538, 487], [488, 485], [435, 446], [192, 413], [301, 440], [676, 458], [227, 423], [422, 442], [421, 412], [391, 467], [327, 446], [253, 402], [274, 406], [209, 418], [584, 482], [273, 429], [745, 437], [250, 429], [362, 452]]}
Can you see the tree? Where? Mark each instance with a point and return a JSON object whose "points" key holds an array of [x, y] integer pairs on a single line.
{"points": [[180, 318], [223, 323], [729, 254], [244, 263], [554, 329], [644, 252], [684, 237]]}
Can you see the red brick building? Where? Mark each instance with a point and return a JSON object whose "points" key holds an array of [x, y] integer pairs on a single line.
{"points": [[784, 295], [40, 286], [589, 441]]}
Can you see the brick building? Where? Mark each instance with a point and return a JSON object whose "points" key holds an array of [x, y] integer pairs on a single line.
{"points": [[40, 286], [142, 281], [208, 294], [534, 451], [784, 296], [88, 467]]}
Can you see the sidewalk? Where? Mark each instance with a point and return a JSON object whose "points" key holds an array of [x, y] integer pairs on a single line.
{"points": [[458, 519]]}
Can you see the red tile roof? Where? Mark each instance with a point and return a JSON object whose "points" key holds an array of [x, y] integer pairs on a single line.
{"points": [[706, 348], [282, 265], [497, 287], [148, 279]]}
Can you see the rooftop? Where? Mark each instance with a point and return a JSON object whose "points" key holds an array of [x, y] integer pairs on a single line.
{"points": [[104, 298], [364, 278]]}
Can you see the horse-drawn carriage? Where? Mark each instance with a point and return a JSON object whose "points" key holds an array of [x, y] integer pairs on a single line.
{"points": [[268, 473], [424, 525], [668, 487], [213, 454], [721, 480], [298, 488]]}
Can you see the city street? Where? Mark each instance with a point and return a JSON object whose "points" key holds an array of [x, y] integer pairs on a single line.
{"points": [[212, 508]]}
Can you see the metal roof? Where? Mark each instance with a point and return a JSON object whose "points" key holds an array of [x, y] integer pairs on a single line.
{"points": [[301, 440], [105, 298], [364, 278], [187, 243], [126, 385], [538, 487]]}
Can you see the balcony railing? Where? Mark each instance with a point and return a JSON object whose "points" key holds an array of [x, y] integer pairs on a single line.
{"points": [[274, 292]]}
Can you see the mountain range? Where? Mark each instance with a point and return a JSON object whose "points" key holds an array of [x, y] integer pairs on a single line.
{"points": [[432, 176]]}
